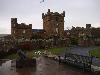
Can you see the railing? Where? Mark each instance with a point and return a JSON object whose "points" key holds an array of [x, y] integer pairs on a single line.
{"points": [[83, 62]]}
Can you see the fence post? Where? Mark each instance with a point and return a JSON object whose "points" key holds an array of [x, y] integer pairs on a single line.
{"points": [[65, 58], [59, 59], [91, 62], [83, 67]]}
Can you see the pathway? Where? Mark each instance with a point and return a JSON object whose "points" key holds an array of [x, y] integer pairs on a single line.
{"points": [[84, 51], [45, 66]]}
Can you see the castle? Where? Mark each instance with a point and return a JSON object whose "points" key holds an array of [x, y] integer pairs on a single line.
{"points": [[20, 31], [84, 36], [53, 25], [52, 34]]}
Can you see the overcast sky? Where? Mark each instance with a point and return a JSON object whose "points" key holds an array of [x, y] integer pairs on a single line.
{"points": [[78, 12]]}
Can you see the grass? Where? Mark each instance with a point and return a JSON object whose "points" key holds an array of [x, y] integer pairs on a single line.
{"points": [[57, 51], [95, 52], [31, 54], [12, 56]]}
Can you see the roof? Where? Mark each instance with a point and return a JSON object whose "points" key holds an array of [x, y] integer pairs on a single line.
{"points": [[3, 35], [37, 30]]}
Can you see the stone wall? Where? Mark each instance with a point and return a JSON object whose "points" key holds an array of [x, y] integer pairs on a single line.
{"points": [[20, 30], [53, 23]]}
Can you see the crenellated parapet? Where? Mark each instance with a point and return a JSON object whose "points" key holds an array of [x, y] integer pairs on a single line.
{"points": [[53, 23], [14, 24], [20, 30], [52, 14]]}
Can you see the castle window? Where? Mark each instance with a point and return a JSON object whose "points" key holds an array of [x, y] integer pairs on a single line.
{"points": [[48, 20], [23, 31], [56, 18], [14, 25], [56, 30], [14, 32], [61, 20]]}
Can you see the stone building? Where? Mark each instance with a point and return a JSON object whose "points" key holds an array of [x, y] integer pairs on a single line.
{"points": [[53, 29], [20, 31], [53, 23], [38, 34], [84, 36]]}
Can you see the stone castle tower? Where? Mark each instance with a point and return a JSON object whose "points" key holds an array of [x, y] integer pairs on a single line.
{"points": [[20, 31], [53, 23]]}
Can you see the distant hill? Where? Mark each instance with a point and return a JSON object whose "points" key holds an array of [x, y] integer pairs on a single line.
{"points": [[2, 35]]}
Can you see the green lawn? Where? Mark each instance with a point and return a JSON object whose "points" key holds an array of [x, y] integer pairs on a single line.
{"points": [[12, 56], [15, 56], [95, 52], [57, 51], [31, 54]]}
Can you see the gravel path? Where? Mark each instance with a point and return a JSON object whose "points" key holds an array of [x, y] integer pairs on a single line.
{"points": [[45, 66]]}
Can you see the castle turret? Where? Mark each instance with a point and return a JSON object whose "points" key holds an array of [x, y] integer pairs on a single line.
{"points": [[42, 15], [53, 23], [13, 22], [48, 11], [63, 13], [13, 26], [20, 31], [88, 26]]}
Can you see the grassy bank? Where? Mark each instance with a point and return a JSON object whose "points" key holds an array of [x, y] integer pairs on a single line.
{"points": [[95, 52], [31, 54], [57, 51]]}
